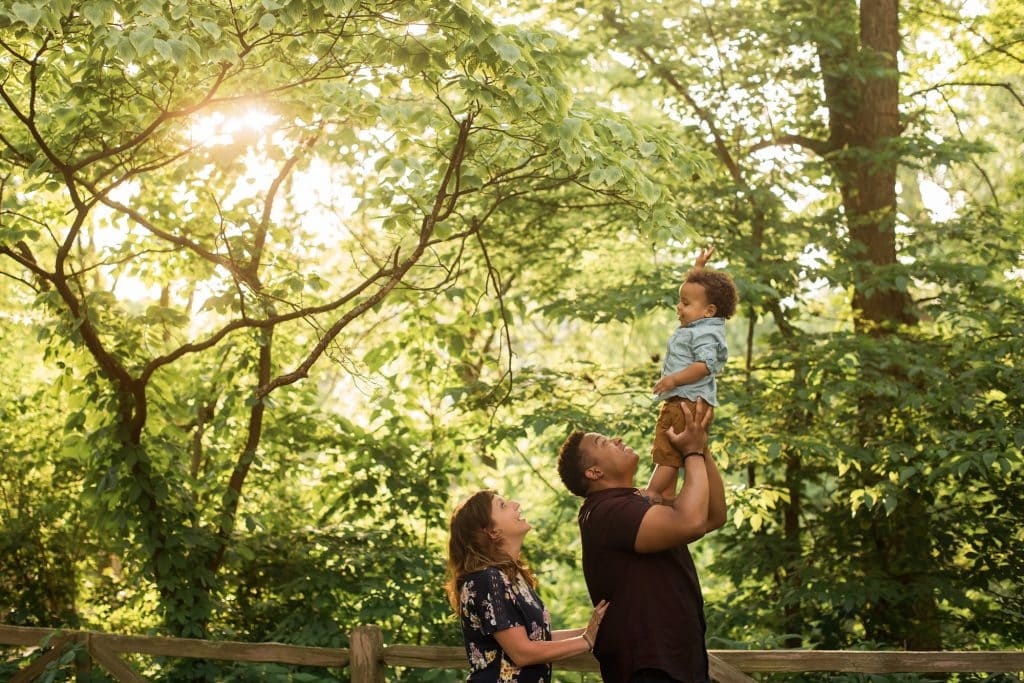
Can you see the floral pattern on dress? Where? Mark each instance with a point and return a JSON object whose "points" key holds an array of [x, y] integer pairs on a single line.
{"points": [[489, 602]]}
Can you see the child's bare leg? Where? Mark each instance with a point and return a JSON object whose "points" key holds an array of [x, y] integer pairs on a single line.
{"points": [[663, 481]]}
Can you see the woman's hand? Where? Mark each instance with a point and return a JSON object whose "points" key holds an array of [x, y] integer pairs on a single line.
{"points": [[563, 644], [590, 632]]}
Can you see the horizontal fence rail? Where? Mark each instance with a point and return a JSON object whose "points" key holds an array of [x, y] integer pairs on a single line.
{"points": [[368, 656]]}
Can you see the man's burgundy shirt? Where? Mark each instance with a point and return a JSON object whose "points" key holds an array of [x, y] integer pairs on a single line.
{"points": [[656, 617]]}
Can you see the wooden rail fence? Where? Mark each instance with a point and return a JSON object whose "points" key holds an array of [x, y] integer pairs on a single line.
{"points": [[368, 657]]}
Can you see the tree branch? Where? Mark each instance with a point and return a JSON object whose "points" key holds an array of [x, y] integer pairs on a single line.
{"points": [[499, 291], [398, 270], [263, 323], [27, 120], [146, 132], [26, 260], [233, 493], [980, 84], [819, 147], [232, 267], [23, 281], [974, 161], [259, 239]]}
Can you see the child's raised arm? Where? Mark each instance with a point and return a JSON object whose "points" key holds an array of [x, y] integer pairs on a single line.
{"points": [[703, 257]]}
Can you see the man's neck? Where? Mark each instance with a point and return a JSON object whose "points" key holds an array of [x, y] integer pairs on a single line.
{"points": [[605, 484]]}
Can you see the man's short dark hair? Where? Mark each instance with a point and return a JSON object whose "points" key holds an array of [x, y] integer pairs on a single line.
{"points": [[719, 289], [570, 464]]}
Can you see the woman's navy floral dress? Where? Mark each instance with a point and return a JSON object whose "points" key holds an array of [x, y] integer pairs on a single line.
{"points": [[488, 602]]}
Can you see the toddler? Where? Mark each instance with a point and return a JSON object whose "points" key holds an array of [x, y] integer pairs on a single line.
{"points": [[696, 352]]}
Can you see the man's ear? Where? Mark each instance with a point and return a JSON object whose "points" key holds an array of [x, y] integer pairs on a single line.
{"points": [[593, 473]]}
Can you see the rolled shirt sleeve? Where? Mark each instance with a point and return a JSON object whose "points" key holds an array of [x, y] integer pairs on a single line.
{"points": [[709, 348], [700, 341]]}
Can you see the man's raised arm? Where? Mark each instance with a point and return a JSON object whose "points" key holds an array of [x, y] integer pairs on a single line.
{"points": [[665, 527]]}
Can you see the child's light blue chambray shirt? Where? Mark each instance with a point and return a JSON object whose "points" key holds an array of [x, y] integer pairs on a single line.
{"points": [[701, 340]]}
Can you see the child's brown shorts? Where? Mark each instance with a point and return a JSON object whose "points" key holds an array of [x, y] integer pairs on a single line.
{"points": [[671, 415]]}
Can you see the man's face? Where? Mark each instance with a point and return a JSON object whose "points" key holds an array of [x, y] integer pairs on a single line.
{"points": [[614, 458]]}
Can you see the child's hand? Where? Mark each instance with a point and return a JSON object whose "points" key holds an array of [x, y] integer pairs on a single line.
{"points": [[664, 384], [703, 257]]}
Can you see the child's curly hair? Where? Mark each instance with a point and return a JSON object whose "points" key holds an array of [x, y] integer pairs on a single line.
{"points": [[719, 288]]}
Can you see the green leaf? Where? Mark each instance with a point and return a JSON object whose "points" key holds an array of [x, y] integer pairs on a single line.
{"points": [[268, 21], [142, 40], [338, 7], [211, 27], [125, 49], [649, 192], [163, 48], [179, 9], [890, 501], [179, 51], [505, 49], [377, 356], [26, 13], [570, 127]]}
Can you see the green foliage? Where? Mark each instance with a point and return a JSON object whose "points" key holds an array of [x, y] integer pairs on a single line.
{"points": [[281, 282]]}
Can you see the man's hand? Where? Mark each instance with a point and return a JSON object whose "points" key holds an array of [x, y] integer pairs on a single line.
{"points": [[664, 527], [694, 437], [703, 257]]}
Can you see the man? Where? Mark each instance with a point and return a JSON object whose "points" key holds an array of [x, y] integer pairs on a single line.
{"points": [[635, 555]]}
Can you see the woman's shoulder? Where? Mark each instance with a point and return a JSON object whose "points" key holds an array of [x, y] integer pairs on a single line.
{"points": [[487, 574]]}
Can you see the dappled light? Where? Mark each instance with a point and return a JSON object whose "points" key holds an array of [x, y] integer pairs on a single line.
{"points": [[281, 283]]}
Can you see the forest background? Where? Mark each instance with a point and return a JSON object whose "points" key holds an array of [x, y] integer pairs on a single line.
{"points": [[283, 281]]}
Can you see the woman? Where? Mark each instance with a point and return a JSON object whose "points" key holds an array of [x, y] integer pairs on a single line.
{"points": [[505, 627]]}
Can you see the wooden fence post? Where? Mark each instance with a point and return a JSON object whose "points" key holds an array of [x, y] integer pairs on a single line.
{"points": [[83, 660], [367, 657]]}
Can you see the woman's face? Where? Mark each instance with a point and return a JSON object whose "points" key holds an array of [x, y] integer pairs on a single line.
{"points": [[507, 519]]}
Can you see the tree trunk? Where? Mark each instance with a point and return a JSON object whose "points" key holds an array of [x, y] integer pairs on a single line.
{"points": [[861, 80], [871, 197], [863, 127]]}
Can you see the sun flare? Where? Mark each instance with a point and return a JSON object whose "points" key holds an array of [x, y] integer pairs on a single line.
{"points": [[218, 128]]}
